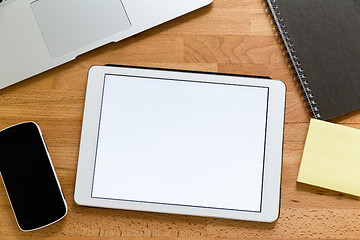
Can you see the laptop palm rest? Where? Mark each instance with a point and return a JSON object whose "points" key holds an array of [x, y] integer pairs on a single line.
{"points": [[68, 25]]}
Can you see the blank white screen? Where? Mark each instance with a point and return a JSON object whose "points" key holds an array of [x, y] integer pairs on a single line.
{"points": [[183, 143]]}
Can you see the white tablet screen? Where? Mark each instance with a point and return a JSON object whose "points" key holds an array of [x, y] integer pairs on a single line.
{"points": [[181, 143]]}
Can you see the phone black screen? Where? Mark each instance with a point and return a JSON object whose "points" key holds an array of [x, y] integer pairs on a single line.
{"points": [[28, 176]]}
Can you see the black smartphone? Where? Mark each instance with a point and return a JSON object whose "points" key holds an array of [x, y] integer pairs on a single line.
{"points": [[29, 177]]}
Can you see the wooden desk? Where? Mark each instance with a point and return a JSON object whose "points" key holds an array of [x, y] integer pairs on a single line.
{"points": [[230, 36]]}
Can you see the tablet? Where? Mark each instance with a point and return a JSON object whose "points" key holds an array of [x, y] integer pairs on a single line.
{"points": [[180, 142]]}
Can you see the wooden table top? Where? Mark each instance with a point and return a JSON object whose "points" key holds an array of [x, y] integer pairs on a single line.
{"points": [[229, 36]]}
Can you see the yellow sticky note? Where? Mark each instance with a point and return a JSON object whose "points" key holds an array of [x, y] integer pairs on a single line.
{"points": [[331, 157]]}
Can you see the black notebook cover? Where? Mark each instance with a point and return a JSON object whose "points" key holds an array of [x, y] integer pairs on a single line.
{"points": [[322, 39]]}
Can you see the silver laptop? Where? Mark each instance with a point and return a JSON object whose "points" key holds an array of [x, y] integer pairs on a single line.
{"points": [[38, 35]]}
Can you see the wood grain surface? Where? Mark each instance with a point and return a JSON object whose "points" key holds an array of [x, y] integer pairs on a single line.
{"points": [[229, 36]]}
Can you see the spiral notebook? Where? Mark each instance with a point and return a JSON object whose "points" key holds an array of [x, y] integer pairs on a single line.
{"points": [[321, 39]]}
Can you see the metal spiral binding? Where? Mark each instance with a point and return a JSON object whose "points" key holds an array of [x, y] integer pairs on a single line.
{"points": [[295, 64]]}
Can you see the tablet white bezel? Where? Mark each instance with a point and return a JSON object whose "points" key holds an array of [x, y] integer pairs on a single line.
{"points": [[273, 148]]}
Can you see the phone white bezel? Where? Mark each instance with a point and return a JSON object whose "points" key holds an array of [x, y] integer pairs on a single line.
{"points": [[273, 154], [57, 180]]}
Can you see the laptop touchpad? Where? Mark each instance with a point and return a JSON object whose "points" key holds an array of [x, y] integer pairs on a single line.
{"points": [[68, 25]]}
